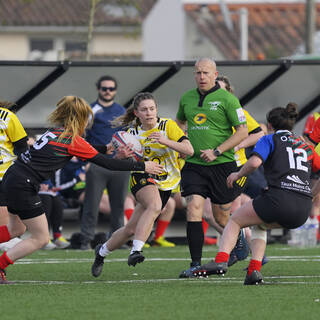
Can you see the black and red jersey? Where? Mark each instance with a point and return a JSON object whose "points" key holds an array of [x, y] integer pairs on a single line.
{"points": [[288, 161], [50, 153]]}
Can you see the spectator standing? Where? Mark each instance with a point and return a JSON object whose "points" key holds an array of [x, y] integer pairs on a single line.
{"points": [[104, 109], [210, 113]]}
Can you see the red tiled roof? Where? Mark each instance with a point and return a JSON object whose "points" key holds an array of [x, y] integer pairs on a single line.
{"points": [[64, 13], [275, 29]]}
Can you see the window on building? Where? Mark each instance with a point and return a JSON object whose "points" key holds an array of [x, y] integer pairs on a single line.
{"points": [[42, 45], [75, 49], [75, 46]]}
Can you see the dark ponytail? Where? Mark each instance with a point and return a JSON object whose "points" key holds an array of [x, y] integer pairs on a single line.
{"points": [[283, 118]]}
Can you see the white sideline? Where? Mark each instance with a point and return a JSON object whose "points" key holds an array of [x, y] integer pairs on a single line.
{"points": [[85, 260], [211, 280]]}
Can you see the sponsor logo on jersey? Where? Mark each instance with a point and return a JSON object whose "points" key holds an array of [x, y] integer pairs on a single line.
{"points": [[296, 187], [241, 115], [214, 105], [199, 128], [200, 118], [295, 179]]}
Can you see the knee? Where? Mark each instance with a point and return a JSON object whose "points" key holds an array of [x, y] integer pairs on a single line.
{"points": [[21, 230], [258, 233], [222, 218], [194, 210], [154, 209], [221, 214], [16, 230], [42, 241]]}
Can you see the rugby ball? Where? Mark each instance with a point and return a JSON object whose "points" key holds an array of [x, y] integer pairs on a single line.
{"points": [[123, 138]]}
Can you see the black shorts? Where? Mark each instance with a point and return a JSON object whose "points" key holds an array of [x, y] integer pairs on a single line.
{"points": [[210, 182], [3, 199], [21, 192], [140, 180], [287, 208]]}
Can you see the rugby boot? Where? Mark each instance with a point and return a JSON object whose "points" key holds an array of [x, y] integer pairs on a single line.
{"points": [[189, 272], [232, 258], [241, 248], [162, 242], [264, 260], [61, 243], [97, 265], [255, 278], [134, 258], [210, 268]]}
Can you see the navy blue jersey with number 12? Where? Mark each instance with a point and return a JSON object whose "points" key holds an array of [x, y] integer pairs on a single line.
{"points": [[288, 161]]}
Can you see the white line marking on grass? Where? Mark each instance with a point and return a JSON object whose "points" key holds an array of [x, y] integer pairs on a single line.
{"points": [[81, 260], [86, 260], [210, 281]]}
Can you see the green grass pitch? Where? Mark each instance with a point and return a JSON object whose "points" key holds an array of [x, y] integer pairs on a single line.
{"points": [[58, 285]]}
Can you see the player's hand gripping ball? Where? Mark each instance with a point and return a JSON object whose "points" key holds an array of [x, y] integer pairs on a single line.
{"points": [[124, 138]]}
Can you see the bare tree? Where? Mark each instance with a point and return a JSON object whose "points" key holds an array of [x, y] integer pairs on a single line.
{"points": [[122, 4], [90, 27]]}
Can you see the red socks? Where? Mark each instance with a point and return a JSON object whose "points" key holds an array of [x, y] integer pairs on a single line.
{"points": [[4, 234], [205, 226], [254, 265], [161, 228], [56, 235], [221, 257], [128, 213], [5, 261]]}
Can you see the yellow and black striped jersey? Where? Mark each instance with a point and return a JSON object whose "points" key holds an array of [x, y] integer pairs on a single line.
{"points": [[252, 124], [11, 130], [167, 157]]}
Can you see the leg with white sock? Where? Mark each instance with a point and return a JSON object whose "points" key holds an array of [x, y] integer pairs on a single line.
{"points": [[149, 198], [122, 235], [118, 238]]}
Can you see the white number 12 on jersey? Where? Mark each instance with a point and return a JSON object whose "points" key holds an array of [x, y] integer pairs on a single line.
{"points": [[295, 161]]}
